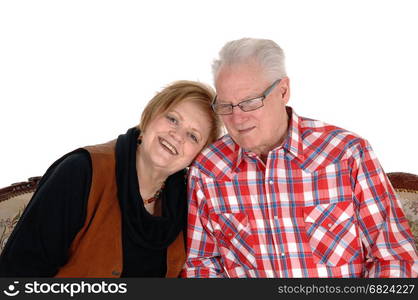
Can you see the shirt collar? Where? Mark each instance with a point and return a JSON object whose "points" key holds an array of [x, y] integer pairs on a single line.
{"points": [[292, 143]]}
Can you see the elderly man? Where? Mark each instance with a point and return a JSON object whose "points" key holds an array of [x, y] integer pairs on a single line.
{"points": [[286, 196]]}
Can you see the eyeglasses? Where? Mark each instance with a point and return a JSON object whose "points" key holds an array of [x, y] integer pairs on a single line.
{"points": [[246, 105]]}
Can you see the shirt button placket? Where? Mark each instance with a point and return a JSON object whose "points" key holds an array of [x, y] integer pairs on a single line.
{"points": [[274, 223], [278, 238]]}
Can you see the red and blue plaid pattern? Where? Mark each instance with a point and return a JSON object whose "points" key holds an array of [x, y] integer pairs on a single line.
{"points": [[321, 206]]}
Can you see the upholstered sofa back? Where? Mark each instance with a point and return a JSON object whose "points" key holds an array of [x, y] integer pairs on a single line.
{"points": [[14, 198]]}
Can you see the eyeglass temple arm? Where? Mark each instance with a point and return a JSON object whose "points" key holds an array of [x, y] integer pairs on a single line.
{"points": [[214, 100], [268, 91]]}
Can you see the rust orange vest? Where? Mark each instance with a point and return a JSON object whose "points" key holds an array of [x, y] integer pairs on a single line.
{"points": [[96, 251]]}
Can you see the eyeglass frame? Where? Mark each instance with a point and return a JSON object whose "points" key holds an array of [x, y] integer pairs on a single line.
{"points": [[262, 97]]}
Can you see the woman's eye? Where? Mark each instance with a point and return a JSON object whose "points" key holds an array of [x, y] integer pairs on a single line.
{"points": [[172, 119], [194, 137]]}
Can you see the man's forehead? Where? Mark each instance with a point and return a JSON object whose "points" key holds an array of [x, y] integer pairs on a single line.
{"points": [[240, 82], [240, 72]]}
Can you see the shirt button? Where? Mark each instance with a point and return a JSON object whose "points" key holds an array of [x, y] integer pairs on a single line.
{"points": [[329, 225], [271, 181], [229, 234], [282, 254]]}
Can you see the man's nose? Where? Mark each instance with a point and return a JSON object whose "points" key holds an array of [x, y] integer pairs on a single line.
{"points": [[238, 116]]}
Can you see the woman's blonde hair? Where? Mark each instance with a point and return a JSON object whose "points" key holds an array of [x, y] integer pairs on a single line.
{"points": [[174, 94]]}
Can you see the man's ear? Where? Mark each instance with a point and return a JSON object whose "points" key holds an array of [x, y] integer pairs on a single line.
{"points": [[284, 89]]}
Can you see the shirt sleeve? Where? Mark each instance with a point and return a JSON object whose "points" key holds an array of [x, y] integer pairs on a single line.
{"points": [[39, 244], [388, 244], [203, 258]]}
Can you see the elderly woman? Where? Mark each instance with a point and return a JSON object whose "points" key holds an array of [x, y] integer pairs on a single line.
{"points": [[118, 209]]}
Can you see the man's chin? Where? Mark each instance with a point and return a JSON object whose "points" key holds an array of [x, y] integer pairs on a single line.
{"points": [[246, 145]]}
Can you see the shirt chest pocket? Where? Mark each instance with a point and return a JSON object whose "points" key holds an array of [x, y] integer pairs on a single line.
{"points": [[235, 240], [332, 233]]}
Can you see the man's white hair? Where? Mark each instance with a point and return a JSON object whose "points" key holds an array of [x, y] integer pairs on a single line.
{"points": [[262, 51]]}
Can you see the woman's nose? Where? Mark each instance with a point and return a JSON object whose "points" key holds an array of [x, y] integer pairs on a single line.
{"points": [[178, 135]]}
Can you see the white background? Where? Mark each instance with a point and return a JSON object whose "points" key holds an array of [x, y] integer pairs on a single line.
{"points": [[75, 73]]}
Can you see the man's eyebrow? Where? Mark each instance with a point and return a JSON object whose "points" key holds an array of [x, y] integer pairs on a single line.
{"points": [[218, 100]]}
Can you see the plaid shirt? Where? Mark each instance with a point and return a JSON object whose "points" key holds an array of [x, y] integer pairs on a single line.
{"points": [[321, 206]]}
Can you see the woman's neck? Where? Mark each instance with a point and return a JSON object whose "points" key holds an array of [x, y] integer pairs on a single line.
{"points": [[150, 178]]}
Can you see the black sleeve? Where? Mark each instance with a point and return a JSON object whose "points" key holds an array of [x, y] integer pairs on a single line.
{"points": [[39, 244]]}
